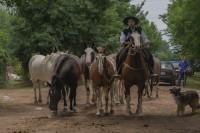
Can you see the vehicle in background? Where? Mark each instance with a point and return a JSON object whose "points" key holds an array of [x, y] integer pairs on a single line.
{"points": [[175, 64], [168, 73], [196, 67], [176, 67]]}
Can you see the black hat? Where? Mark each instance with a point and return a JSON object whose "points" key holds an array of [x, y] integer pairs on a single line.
{"points": [[125, 20]]}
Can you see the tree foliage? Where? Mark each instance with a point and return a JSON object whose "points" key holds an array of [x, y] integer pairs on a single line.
{"points": [[40, 25], [4, 40], [183, 25]]}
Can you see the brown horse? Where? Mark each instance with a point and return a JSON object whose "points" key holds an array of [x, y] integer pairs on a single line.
{"points": [[153, 80], [101, 73], [134, 72]]}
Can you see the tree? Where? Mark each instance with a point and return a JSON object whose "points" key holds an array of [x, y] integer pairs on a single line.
{"points": [[4, 41], [41, 25], [183, 19]]}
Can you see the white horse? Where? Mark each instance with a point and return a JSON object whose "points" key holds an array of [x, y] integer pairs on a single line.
{"points": [[41, 69]]}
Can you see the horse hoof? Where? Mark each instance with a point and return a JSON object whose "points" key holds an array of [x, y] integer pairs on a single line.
{"points": [[54, 114], [65, 110], [117, 104], [35, 102], [106, 114], [40, 101], [112, 111], [98, 114], [87, 105], [75, 111], [71, 112], [157, 96], [101, 112], [129, 113], [122, 101]]}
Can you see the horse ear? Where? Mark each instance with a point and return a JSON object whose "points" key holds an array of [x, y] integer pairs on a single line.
{"points": [[92, 46], [104, 50], [55, 49], [85, 45], [95, 49]]}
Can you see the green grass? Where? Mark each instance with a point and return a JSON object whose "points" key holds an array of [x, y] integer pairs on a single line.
{"points": [[194, 81]]}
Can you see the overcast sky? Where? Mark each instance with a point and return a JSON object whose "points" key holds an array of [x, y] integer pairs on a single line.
{"points": [[155, 8]]}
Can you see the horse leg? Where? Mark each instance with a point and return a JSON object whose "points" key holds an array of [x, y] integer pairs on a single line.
{"points": [[121, 89], [73, 98], [112, 100], [87, 91], [35, 95], [139, 104], [65, 101], [151, 86], [106, 99], [128, 100], [101, 100], [48, 96], [94, 99], [40, 95], [157, 88], [116, 92], [97, 90]]}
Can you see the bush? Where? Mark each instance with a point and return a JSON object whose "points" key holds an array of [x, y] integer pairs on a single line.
{"points": [[3, 63]]}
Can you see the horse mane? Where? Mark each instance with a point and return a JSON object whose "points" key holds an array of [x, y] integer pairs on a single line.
{"points": [[107, 61], [56, 80]]}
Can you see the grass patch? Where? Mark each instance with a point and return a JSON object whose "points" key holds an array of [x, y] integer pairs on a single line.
{"points": [[194, 81]]}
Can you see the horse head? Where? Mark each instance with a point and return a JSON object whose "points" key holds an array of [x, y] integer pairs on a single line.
{"points": [[55, 92], [100, 58], [135, 40], [90, 54]]}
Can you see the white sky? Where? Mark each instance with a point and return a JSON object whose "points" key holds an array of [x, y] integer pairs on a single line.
{"points": [[155, 8]]}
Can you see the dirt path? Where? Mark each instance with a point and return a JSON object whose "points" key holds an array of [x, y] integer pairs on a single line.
{"points": [[20, 115]]}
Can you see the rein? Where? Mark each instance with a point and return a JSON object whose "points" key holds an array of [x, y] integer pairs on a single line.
{"points": [[133, 54], [133, 68]]}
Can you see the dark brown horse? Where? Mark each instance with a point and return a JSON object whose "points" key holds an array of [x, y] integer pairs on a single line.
{"points": [[153, 80], [134, 72], [67, 73]]}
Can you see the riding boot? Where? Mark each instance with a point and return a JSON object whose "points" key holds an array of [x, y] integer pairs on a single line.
{"points": [[121, 56], [148, 57]]}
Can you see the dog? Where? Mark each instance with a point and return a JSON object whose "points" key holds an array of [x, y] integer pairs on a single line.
{"points": [[182, 99]]}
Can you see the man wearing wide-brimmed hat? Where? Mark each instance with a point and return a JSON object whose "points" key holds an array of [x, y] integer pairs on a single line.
{"points": [[131, 23]]}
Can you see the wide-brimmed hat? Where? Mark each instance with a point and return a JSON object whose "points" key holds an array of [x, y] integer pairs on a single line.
{"points": [[125, 20]]}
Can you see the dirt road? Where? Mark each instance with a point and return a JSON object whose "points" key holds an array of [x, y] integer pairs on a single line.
{"points": [[19, 115]]}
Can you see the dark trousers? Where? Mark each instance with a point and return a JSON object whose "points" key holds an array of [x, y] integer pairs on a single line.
{"points": [[180, 77]]}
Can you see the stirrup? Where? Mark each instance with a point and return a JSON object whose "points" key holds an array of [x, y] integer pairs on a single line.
{"points": [[117, 76], [153, 75]]}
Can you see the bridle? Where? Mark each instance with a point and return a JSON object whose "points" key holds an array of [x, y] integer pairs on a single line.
{"points": [[135, 50]]}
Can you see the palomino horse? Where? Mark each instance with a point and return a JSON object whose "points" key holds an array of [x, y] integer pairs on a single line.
{"points": [[134, 72], [86, 61], [41, 69], [101, 73], [67, 73], [153, 80]]}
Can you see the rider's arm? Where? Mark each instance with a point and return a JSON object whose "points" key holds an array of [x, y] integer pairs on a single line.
{"points": [[188, 66], [123, 39], [144, 37]]}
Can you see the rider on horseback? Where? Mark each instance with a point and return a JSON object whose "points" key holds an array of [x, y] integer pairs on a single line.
{"points": [[131, 22]]}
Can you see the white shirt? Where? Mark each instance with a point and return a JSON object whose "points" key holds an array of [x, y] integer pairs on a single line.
{"points": [[123, 37]]}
